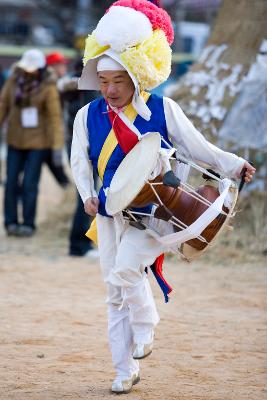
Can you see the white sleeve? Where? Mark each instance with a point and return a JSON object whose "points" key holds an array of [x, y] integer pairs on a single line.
{"points": [[82, 169], [182, 133]]}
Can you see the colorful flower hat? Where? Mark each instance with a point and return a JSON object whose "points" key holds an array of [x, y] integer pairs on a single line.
{"points": [[138, 35]]}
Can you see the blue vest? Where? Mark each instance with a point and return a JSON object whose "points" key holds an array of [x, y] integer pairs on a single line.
{"points": [[99, 126]]}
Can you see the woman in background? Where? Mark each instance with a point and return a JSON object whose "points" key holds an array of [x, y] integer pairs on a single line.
{"points": [[30, 103]]}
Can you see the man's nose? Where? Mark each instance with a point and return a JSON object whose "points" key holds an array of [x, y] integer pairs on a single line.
{"points": [[111, 89]]}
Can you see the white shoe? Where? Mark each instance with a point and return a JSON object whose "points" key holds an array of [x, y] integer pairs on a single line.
{"points": [[136, 377], [125, 386], [142, 350]]}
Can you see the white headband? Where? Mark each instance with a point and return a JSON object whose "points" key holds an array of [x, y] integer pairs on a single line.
{"points": [[107, 63]]}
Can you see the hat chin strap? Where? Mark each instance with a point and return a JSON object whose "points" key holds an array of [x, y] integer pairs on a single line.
{"points": [[140, 106]]}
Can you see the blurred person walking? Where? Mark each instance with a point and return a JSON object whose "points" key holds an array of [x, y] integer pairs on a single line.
{"points": [[71, 100], [57, 65], [2, 77], [74, 99], [30, 103], [2, 81]]}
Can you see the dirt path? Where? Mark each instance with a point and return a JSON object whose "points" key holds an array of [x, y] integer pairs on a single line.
{"points": [[210, 343]]}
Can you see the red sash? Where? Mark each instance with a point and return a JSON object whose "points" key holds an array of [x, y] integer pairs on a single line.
{"points": [[127, 139]]}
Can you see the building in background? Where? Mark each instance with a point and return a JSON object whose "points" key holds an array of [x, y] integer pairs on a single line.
{"points": [[57, 22], [62, 25]]}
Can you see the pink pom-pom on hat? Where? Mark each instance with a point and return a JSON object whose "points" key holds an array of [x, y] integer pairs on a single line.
{"points": [[158, 17]]}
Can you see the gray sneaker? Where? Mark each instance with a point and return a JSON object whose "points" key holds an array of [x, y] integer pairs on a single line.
{"points": [[25, 231], [12, 229]]}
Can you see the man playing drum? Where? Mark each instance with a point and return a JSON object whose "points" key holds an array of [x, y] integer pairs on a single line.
{"points": [[129, 53]]}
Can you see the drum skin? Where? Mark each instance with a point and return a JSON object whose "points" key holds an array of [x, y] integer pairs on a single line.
{"points": [[183, 206]]}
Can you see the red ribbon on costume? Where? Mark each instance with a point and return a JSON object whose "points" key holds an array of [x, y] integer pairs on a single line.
{"points": [[127, 139], [157, 269]]}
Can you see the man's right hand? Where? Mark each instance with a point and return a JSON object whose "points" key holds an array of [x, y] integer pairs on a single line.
{"points": [[91, 206]]}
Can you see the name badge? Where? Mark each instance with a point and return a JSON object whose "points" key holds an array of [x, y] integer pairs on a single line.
{"points": [[29, 117]]}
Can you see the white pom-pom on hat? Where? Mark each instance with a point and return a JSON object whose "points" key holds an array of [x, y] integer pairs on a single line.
{"points": [[122, 27]]}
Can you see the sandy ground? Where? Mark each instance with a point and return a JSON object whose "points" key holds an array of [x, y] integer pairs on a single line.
{"points": [[210, 343]]}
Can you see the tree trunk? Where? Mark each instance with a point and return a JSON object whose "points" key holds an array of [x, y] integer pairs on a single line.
{"points": [[209, 89]]}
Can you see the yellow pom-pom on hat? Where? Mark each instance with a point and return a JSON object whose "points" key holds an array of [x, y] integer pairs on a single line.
{"points": [[149, 62], [92, 48]]}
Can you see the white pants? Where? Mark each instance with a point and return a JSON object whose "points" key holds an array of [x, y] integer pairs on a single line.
{"points": [[121, 342], [132, 313]]}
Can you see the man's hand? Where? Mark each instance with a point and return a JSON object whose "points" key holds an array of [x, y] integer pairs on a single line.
{"points": [[91, 206], [250, 171]]}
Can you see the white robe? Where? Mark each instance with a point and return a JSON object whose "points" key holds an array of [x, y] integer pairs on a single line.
{"points": [[132, 311], [186, 138]]}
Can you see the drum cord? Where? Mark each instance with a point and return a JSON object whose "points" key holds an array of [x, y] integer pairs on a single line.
{"points": [[209, 178], [172, 249], [181, 158], [212, 175], [196, 195], [134, 222]]}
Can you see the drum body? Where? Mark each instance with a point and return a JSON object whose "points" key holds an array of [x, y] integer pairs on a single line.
{"points": [[132, 186], [183, 206]]}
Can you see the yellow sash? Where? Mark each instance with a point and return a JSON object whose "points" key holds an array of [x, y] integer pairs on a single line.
{"points": [[105, 154]]}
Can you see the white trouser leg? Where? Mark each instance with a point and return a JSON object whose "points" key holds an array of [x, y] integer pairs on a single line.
{"points": [[136, 251], [119, 330], [143, 314], [121, 342], [107, 251]]}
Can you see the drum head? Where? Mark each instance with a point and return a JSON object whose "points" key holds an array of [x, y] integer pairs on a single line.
{"points": [[133, 172]]}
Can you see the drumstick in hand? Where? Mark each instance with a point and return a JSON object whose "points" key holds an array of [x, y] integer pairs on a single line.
{"points": [[246, 174]]}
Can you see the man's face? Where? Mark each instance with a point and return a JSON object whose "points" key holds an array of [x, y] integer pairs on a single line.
{"points": [[116, 87]]}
